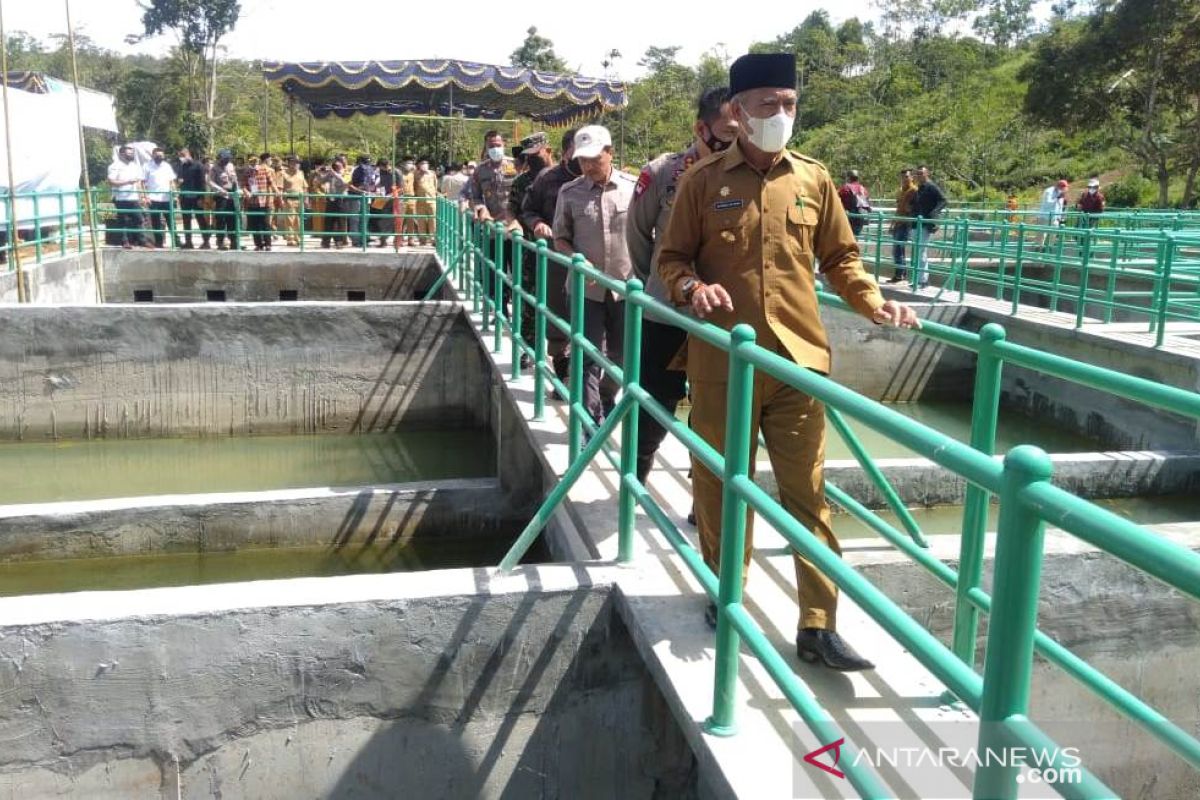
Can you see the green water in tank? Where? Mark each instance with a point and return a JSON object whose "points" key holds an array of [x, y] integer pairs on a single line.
{"points": [[105, 468]]}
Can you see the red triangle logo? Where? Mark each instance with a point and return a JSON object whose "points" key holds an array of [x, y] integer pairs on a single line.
{"points": [[836, 747]]}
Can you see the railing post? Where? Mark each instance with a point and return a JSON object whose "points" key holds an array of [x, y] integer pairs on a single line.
{"points": [[878, 241], [632, 369], [918, 253], [1056, 284], [498, 318], [237, 220], [485, 271], [1110, 289], [1164, 295], [1017, 266], [985, 407], [733, 529], [539, 334], [578, 357], [364, 212], [62, 222], [1008, 664], [302, 219], [1085, 259], [518, 264], [171, 220]]}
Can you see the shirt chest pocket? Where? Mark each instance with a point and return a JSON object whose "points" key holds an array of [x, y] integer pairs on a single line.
{"points": [[801, 227]]}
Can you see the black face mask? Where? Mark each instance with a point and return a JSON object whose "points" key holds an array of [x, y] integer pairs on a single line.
{"points": [[573, 167], [713, 143], [536, 164]]}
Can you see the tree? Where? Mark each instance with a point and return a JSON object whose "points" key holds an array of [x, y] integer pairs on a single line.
{"points": [[1131, 66], [537, 52], [199, 26], [1004, 22]]}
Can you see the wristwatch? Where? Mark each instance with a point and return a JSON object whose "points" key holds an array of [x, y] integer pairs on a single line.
{"points": [[689, 287]]}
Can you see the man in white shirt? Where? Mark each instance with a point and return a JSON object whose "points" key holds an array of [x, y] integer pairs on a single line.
{"points": [[160, 182], [125, 177]]}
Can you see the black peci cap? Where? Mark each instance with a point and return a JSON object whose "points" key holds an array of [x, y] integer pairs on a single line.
{"points": [[762, 71]]}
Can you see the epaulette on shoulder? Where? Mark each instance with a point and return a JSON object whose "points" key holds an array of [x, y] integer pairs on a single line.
{"points": [[711, 158], [808, 160]]}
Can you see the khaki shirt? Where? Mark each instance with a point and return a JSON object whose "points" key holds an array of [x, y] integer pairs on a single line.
{"points": [[293, 184], [591, 219], [653, 200], [762, 238], [424, 185], [489, 186]]}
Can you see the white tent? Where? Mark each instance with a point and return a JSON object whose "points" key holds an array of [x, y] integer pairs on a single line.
{"points": [[45, 149]]}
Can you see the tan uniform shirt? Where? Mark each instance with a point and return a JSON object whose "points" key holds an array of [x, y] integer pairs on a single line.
{"points": [[293, 184], [489, 187], [762, 238], [591, 219], [425, 185]]}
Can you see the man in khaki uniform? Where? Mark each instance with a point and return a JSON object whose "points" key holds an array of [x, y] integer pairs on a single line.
{"points": [[487, 190], [425, 186], [748, 229], [293, 185]]}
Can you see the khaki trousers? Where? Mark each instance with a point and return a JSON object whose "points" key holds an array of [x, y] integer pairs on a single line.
{"points": [[793, 426]]}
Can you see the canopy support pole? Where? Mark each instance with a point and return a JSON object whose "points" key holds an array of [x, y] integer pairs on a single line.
{"points": [[97, 269], [14, 236]]}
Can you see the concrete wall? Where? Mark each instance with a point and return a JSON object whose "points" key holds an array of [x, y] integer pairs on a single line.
{"points": [[1135, 629], [227, 369], [888, 364], [69, 280], [490, 694], [187, 275], [1115, 423], [224, 522]]}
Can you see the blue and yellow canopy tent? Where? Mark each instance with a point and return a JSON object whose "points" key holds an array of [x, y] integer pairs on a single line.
{"points": [[443, 88]]}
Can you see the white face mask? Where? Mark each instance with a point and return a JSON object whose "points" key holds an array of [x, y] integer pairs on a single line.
{"points": [[771, 134], [496, 153]]}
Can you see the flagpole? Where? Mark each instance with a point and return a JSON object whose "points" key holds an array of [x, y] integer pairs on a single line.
{"points": [[97, 269]]}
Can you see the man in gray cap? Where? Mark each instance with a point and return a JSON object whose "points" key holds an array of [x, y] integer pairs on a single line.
{"points": [[749, 227]]}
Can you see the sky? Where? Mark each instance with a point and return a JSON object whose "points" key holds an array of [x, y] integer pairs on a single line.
{"points": [[306, 30]]}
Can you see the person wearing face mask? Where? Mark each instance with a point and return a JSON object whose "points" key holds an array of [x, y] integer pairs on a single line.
{"points": [[653, 198], [193, 184], [537, 217], [408, 203], [160, 182], [487, 191], [126, 176], [742, 245], [1091, 202], [425, 189]]}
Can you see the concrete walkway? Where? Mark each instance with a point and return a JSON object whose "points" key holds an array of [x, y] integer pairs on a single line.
{"points": [[663, 606]]}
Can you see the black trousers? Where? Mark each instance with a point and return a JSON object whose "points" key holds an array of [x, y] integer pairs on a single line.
{"points": [[130, 221], [604, 327], [160, 220], [257, 224], [225, 221], [335, 222], [192, 207], [660, 344]]}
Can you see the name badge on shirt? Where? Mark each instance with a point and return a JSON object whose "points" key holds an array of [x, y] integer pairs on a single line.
{"points": [[725, 205]]}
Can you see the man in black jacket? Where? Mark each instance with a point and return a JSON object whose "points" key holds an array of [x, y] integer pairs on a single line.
{"points": [[537, 218], [927, 205], [193, 186]]}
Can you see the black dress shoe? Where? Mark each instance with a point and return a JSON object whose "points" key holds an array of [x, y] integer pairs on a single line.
{"points": [[815, 645], [710, 614], [526, 361], [692, 518]]}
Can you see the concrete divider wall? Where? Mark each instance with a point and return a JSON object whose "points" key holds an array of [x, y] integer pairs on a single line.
{"points": [[892, 365], [230, 369], [69, 280], [187, 275], [528, 693], [206, 523]]}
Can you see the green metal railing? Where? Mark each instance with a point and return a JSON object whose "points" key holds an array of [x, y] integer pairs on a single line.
{"points": [[1099, 275], [475, 255], [52, 224]]}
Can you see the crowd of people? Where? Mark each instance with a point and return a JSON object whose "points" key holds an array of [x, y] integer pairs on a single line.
{"points": [[203, 202], [732, 229]]}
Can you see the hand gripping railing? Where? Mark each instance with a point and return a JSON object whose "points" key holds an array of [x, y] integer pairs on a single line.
{"points": [[1000, 695]]}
